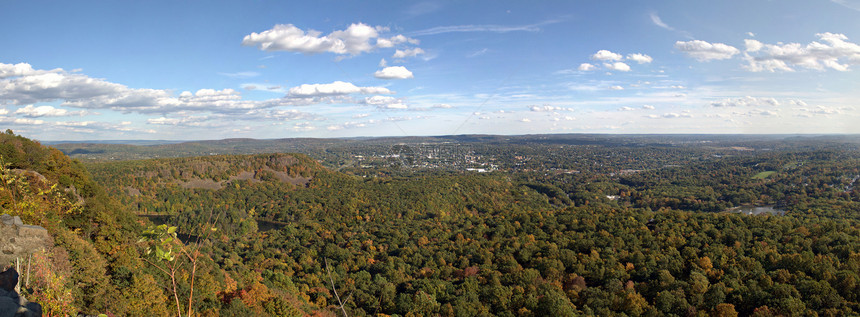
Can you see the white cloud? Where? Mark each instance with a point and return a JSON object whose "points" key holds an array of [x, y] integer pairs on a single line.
{"points": [[36, 86], [640, 58], [616, 88], [752, 45], [335, 88], [351, 125], [846, 3], [442, 106], [750, 34], [385, 102], [481, 28], [189, 121], [821, 110], [671, 115], [796, 102], [704, 51], [303, 127], [274, 114], [548, 108], [525, 120], [585, 67], [619, 66], [767, 113], [626, 109], [23, 85], [604, 55], [383, 63], [241, 74], [648, 107], [164, 121], [409, 52], [834, 52], [394, 40], [478, 53], [393, 72], [746, 102], [21, 69], [659, 22], [356, 39], [47, 111]]}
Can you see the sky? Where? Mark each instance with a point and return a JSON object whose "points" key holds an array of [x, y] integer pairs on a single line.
{"points": [[201, 70]]}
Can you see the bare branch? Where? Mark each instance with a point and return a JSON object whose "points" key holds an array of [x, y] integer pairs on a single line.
{"points": [[334, 289]]}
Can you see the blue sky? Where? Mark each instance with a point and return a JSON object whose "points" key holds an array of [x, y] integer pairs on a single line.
{"points": [[182, 70]]}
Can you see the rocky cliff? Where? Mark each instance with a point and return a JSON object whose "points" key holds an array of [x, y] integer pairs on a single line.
{"points": [[18, 240]]}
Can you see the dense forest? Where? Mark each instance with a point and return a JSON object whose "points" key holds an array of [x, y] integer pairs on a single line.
{"points": [[558, 230]]}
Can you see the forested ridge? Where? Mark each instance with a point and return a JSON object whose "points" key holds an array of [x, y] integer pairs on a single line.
{"points": [[654, 241]]}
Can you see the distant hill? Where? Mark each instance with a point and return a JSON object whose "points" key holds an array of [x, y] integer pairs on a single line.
{"points": [[317, 148]]}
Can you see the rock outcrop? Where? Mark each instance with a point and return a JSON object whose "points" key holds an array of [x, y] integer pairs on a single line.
{"points": [[11, 303], [18, 240]]}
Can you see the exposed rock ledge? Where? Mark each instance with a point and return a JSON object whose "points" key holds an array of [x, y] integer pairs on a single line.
{"points": [[18, 240]]}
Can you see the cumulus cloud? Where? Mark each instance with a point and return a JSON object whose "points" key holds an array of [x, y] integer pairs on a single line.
{"points": [[605, 55], [394, 40], [704, 51], [834, 51], [335, 88], [385, 102], [21, 69], [746, 102], [46, 111], [35, 86], [88, 127], [619, 66], [23, 86], [354, 40], [585, 67], [409, 52], [752, 45], [640, 58], [393, 72]]}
